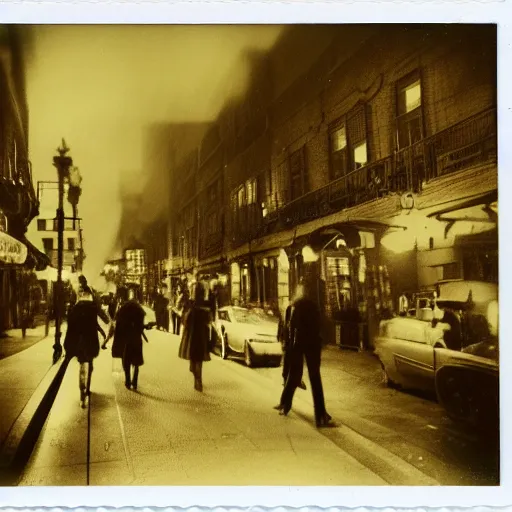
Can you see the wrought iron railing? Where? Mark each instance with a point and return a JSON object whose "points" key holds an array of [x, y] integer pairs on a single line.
{"points": [[470, 142]]}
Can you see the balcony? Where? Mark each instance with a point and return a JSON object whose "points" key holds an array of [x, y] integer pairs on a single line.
{"points": [[470, 142]]}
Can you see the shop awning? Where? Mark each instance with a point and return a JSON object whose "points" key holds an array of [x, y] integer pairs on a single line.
{"points": [[351, 231], [211, 266], [12, 250], [35, 258], [467, 202], [366, 214]]}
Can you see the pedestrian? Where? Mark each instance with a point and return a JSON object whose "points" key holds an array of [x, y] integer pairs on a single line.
{"points": [[403, 305], [128, 336], [177, 309], [305, 342], [164, 308], [82, 339], [283, 335], [195, 340]]}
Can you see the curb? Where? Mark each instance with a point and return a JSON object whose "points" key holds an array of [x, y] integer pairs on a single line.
{"points": [[22, 437], [385, 464]]}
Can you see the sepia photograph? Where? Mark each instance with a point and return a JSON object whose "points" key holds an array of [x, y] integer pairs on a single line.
{"points": [[249, 255]]}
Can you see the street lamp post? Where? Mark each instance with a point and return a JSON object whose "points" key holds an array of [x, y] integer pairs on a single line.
{"points": [[63, 164]]}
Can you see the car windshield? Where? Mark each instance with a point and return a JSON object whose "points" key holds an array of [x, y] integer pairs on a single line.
{"points": [[245, 316]]}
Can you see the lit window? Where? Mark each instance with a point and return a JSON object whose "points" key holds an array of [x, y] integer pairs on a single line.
{"points": [[339, 139], [412, 97], [360, 155], [409, 113], [348, 143]]}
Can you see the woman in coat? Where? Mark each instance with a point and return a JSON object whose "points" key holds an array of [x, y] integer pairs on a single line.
{"points": [[128, 335], [82, 339], [195, 340]]}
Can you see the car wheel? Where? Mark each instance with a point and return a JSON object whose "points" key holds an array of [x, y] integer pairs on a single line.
{"points": [[248, 356], [386, 380], [224, 347]]}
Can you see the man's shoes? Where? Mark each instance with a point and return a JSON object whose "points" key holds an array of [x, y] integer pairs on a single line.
{"points": [[325, 421], [283, 411], [198, 385], [302, 385], [127, 385]]}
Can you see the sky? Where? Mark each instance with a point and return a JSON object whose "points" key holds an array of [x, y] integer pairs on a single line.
{"points": [[99, 86]]}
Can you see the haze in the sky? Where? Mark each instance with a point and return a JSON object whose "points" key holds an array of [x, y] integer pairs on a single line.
{"points": [[98, 86]]}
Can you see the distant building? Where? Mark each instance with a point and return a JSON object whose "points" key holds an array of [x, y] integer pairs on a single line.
{"points": [[166, 146], [44, 228], [136, 265], [363, 158]]}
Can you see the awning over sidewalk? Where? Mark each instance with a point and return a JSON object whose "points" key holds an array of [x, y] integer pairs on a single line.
{"points": [[12, 250], [486, 198], [35, 258]]}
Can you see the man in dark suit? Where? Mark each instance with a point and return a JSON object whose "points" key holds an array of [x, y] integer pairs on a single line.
{"points": [[305, 342]]}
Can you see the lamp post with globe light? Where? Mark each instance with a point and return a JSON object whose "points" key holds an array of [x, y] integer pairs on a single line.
{"points": [[71, 176]]}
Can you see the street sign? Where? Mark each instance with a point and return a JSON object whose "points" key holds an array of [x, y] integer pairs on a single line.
{"points": [[12, 250]]}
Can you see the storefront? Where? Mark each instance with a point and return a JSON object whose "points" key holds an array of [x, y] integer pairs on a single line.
{"points": [[13, 254], [342, 264]]}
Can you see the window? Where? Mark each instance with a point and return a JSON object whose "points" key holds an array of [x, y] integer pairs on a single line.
{"points": [[41, 224], [48, 244], [251, 191], [348, 143], [338, 285], [298, 173], [223, 315], [451, 271], [71, 244], [409, 121], [360, 155]]}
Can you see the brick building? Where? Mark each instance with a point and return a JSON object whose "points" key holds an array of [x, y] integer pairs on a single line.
{"points": [[165, 147], [18, 201], [361, 156]]}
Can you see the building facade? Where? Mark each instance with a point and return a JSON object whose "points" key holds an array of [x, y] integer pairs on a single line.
{"points": [[18, 201], [370, 168], [44, 230]]}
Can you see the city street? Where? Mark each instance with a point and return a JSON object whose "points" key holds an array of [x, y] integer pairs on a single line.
{"points": [[330, 190], [167, 433]]}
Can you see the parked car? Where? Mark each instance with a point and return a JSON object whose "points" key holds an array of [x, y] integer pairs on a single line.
{"points": [[250, 333], [417, 353]]}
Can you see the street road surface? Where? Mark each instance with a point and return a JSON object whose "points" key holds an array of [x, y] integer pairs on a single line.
{"points": [[167, 433]]}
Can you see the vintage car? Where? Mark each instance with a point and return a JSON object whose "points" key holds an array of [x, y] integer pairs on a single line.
{"points": [[452, 350], [250, 333]]}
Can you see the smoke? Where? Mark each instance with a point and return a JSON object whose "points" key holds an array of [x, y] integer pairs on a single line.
{"points": [[101, 87]]}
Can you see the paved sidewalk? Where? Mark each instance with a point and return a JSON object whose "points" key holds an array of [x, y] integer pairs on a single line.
{"points": [[13, 341], [413, 428], [169, 434], [20, 375]]}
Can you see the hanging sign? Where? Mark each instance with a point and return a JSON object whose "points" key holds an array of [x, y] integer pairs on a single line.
{"points": [[12, 250]]}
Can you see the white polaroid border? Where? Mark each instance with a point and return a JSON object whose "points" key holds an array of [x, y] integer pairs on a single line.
{"points": [[292, 11]]}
